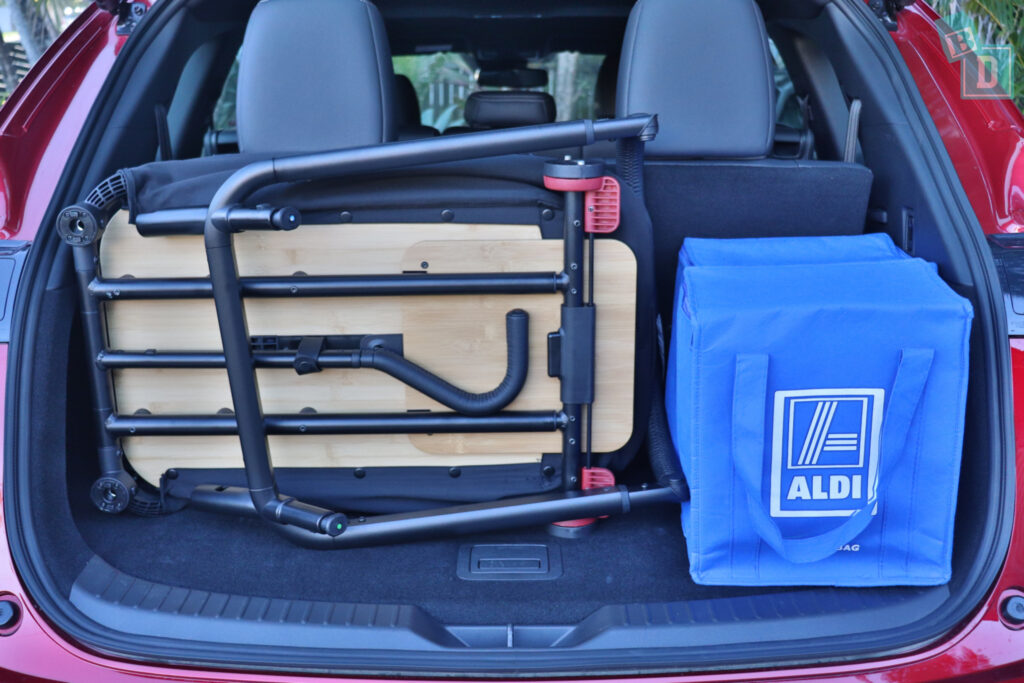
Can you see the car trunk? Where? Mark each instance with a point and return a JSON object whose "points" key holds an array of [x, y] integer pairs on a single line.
{"points": [[514, 601], [217, 590]]}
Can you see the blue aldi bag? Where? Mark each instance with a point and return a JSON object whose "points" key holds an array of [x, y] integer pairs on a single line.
{"points": [[816, 396]]}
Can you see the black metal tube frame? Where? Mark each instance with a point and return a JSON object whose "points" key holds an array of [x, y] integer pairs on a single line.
{"points": [[227, 287], [461, 519], [377, 358], [409, 284], [115, 487], [467, 403], [348, 423], [572, 435]]}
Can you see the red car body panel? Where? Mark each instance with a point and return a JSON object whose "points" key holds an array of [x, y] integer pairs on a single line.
{"points": [[984, 138], [41, 122]]}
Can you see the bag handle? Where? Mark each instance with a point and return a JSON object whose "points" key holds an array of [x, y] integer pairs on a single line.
{"points": [[750, 393]]}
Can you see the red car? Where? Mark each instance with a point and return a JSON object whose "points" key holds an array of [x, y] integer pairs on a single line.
{"points": [[158, 592]]}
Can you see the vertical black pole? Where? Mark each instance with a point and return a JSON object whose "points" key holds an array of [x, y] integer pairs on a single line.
{"points": [[575, 339], [573, 299], [588, 409], [114, 489], [245, 396], [241, 366]]}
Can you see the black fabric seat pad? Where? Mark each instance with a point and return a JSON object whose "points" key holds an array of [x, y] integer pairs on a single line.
{"points": [[734, 199]]}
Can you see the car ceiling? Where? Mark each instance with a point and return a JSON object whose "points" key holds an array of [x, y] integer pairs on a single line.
{"points": [[504, 29], [511, 30]]}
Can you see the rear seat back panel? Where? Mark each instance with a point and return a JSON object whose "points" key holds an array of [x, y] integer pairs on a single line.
{"points": [[707, 173]]}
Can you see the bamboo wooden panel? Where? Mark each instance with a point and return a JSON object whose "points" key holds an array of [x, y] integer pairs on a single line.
{"points": [[461, 329], [349, 249], [461, 338], [151, 456]]}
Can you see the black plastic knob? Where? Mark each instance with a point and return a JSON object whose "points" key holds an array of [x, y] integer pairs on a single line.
{"points": [[110, 495], [77, 225], [286, 218], [334, 525]]}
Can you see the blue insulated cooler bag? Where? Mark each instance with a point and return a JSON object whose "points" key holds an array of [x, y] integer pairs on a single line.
{"points": [[764, 251], [816, 400]]}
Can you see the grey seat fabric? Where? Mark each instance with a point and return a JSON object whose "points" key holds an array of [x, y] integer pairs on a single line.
{"points": [[312, 85], [707, 173]]}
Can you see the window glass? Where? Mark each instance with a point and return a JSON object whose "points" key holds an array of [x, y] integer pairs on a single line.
{"points": [[444, 80], [224, 110], [788, 109]]}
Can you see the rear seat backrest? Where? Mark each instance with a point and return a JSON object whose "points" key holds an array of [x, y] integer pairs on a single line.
{"points": [[707, 174], [309, 86]]}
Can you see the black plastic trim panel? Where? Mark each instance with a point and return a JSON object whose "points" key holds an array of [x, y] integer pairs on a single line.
{"points": [[144, 608]]}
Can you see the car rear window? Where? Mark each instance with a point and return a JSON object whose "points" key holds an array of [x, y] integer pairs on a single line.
{"points": [[443, 81]]}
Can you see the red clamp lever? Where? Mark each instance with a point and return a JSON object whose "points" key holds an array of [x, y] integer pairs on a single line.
{"points": [[602, 194], [603, 207], [591, 478]]}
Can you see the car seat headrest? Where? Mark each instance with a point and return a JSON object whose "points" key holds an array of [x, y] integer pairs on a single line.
{"points": [[315, 75], [509, 108], [706, 70]]}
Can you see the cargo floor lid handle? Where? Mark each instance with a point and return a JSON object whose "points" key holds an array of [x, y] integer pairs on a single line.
{"points": [[750, 392]]}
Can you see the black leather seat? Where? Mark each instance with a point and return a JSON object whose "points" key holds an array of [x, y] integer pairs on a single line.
{"points": [[329, 91], [408, 114], [708, 172], [604, 87], [509, 108], [490, 109]]}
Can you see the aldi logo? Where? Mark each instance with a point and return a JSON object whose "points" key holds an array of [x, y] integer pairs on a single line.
{"points": [[824, 451]]}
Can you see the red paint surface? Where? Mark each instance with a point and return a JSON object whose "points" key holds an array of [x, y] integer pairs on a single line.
{"points": [[984, 138], [41, 121]]}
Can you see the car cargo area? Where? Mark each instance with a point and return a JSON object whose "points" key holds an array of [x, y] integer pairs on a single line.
{"points": [[199, 569], [626, 582]]}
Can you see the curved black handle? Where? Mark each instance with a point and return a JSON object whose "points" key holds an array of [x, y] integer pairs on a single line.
{"points": [[517, 327]]}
